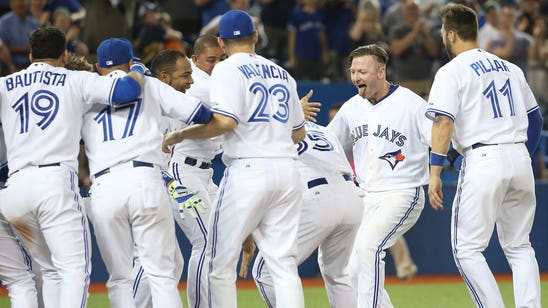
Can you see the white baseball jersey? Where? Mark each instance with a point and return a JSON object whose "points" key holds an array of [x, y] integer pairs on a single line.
{"points": [[3, 155], [138, 132], [498, 99], [330, 229], [389, 140], [321, 154], [35, 106], [204, 149], [264, 122], [488, 100]]}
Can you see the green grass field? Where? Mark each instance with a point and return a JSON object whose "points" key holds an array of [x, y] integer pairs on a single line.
{"points": [[439, 295]]}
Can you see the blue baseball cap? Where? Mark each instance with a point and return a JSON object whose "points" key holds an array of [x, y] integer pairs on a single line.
{"points": [[235, 24], [115, 51]]}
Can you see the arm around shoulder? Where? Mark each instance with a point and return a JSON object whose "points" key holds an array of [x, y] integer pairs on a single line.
{"points": [[128, 88]]}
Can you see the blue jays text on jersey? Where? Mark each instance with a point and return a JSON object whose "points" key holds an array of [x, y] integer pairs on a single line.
{"points": [[263, 70], [391, 135], [25, 80], [492, 65]]}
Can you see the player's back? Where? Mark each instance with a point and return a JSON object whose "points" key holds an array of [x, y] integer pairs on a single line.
{"points": [[492, 102], [261, 96], [41, 111], [321, 154], [134, 131]]}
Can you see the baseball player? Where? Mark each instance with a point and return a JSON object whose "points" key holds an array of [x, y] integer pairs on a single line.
{"points": [[190, 165], [327, 179], [385, 127], [40, 109], [15, 262], [256, 105], [129, 203], [484, 105], [173, 68]]}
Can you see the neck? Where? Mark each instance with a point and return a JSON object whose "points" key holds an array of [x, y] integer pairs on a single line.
{"points": [[240, 48], [382, 93], [464, 46]]}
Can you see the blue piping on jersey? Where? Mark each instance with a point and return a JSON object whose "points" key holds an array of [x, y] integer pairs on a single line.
{"points": [[393, 88], [200, 115], [214, 230], [258, 275], [300, 125], [85, 228], [431, 113], [381, 247], [455, 229], [226, 113]]}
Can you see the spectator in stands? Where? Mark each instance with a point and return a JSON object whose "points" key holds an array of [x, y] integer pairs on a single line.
{"points": [[37, 9], [414, 48], [211, 8], [513, 45], [367, 27], [76, 9], [152, 34], [393, 16], [307, 42], [339, 18], [275, 15], [213, 26], [15, 29], [489, 32], [62, 21], [5, 58], [538, 69], [105, 19]]}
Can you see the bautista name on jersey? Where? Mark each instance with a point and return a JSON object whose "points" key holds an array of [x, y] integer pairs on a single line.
{"points": [[27, 79]]}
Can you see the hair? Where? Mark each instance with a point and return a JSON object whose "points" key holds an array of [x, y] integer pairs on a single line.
{"points": [[460, 19], [47, 43], [78, 63], [374, 50], [203, 42], [244, 40], [165, 61]]}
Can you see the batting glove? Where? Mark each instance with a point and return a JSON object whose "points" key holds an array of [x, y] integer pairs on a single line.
{"points": [[186, 199]]}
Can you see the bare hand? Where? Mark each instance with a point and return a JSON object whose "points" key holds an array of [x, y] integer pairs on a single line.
{"points": [[310, 109], [248, 250], [169, 140], [435, 193]]}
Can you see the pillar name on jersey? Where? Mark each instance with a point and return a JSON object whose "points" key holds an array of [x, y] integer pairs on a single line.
{"points": [[493, 65], [27, 79], [389, 134], [263, 70]]}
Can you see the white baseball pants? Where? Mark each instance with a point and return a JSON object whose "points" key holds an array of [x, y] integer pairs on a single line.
{"points": [[496, 187]]}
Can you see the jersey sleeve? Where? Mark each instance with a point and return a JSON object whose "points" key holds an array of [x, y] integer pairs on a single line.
{"points": [[296, 112], [424, 124], [226, 95], [96, 88], [339, 128], [444, 96], [178, 105], [528, 97]]}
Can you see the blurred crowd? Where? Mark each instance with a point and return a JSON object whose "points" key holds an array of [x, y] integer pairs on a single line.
{"points": [[311, 38]]}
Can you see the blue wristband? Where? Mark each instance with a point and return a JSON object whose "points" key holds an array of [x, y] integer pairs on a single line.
{"points": [[437, 159], [138, 68]]}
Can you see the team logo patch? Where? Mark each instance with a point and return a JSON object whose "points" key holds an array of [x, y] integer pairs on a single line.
{"points": [[393, 158], [236, 32]]}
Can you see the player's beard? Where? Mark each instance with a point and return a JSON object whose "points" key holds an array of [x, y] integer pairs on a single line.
{"points": [[448, 48]]}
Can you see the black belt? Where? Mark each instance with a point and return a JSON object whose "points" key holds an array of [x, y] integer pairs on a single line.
{"points": [[193, 162], [322, 181], [479, 145], [43, 166], [136, 164]]}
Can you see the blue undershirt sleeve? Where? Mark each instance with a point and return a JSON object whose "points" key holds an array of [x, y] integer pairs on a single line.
{"points": [[534, 130], [126, 90]]}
